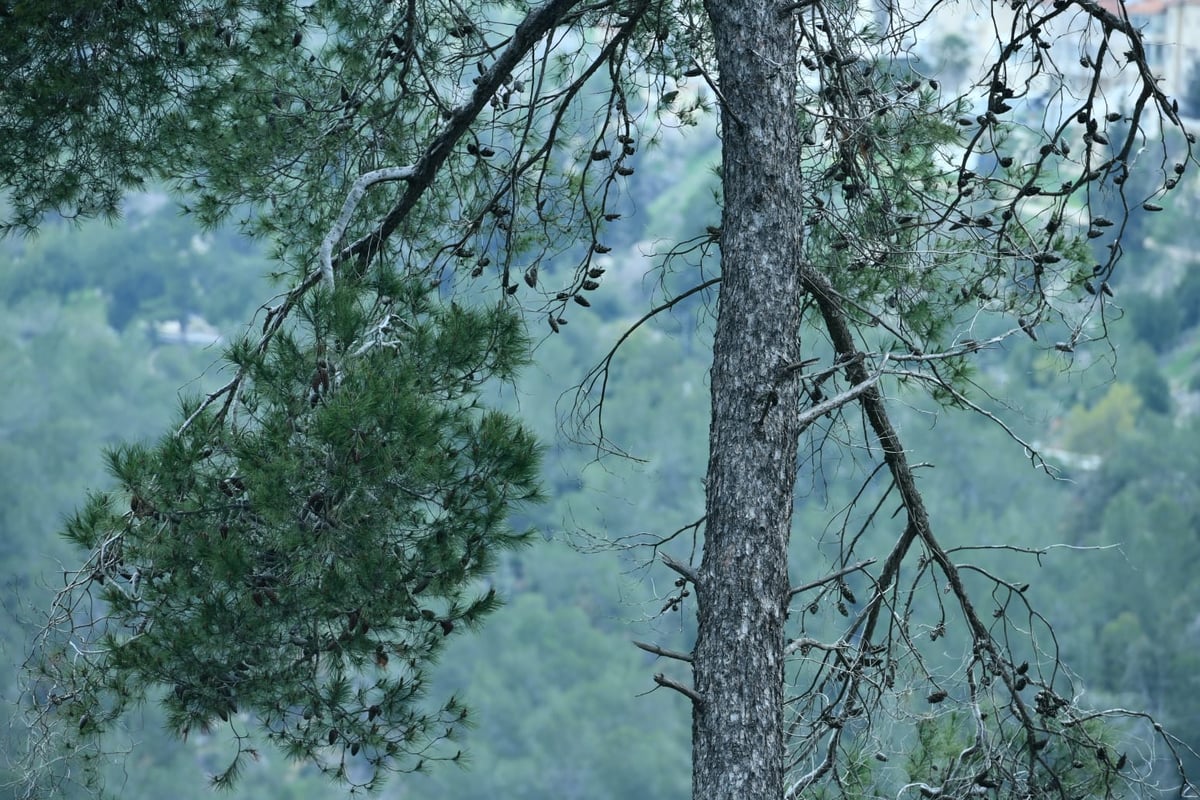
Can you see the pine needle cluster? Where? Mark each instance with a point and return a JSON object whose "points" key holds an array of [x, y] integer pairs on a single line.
{"points": [[293, 561]]}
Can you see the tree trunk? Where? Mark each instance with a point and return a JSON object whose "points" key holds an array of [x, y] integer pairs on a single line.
{"points": [[737, 729]]}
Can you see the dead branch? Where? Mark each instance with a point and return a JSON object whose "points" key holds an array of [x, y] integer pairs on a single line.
{"points": [[686, 691], [662, 651]]}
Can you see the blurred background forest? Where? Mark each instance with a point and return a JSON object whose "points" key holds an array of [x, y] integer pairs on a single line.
{"points": [[102, 328]]}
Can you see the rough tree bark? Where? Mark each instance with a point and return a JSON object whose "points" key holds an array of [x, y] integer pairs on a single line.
{"points": [[741, 587]]}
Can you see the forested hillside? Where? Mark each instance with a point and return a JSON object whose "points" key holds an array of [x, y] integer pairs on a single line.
{"points": [[103, 327]]}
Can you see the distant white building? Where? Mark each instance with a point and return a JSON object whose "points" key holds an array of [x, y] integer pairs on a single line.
{"points": [[197, 332]]}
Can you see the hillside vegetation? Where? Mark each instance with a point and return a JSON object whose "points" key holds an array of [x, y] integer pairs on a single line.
{"points": [[94, 352]]}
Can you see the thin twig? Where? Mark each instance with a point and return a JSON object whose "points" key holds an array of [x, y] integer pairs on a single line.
{"points": [[830, 577]]}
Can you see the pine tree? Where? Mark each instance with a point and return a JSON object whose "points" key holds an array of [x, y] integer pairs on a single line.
{"points": [[302, 550], [870, 228]]}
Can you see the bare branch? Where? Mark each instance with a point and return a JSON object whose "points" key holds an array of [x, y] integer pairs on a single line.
{"points": [[1031, 452], [599, 374], [681, 568], [662, 651], [833, 576], [686, 691], [810, 415]]}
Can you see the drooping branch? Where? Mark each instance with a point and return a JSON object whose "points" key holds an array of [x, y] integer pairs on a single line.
{"points": [[919, 526], [989, 657], [597, 378]]}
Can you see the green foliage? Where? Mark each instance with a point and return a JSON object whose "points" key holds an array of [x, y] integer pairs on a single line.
{"points": [[1095, 429], [1152, 388], [159, 266], [1156, 320], [1139, 643], [78, 69], [946, 754], [301, 553], [560, 647], [881, 173]]}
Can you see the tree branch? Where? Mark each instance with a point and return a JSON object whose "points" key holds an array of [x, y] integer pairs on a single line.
{"points": [[919, 525], [600, 372], [536, 24], [662, 651], [814, 413], [353, 198], [682, 569], [686, 691], [830, 577]]}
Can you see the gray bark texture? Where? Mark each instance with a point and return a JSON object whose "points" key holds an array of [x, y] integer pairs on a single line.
{"points": [[738, 748]]}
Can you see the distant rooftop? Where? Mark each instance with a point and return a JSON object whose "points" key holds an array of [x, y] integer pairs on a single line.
{"points": [[1144, 8]]}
